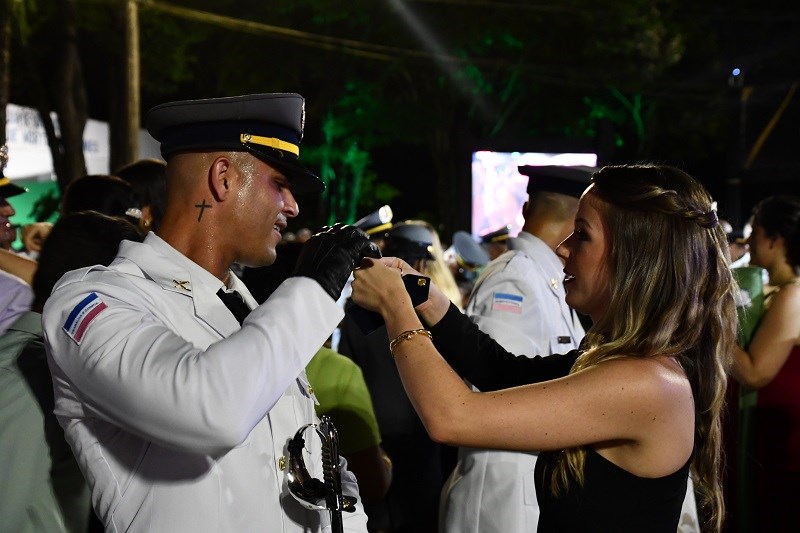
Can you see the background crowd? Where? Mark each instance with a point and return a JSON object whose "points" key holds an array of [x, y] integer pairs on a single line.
{"points": [[512, 287]]}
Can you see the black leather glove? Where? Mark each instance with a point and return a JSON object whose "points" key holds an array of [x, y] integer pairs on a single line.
{"points": [[329, 256]]}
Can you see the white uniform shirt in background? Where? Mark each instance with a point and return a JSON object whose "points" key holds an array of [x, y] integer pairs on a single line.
{"points": [[519, 301]]}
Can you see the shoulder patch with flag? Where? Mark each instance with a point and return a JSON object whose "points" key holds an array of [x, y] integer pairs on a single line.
{"points": [[510, 303], [82, 315]]}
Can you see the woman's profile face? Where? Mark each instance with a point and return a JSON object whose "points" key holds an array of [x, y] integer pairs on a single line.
{"points": [[585, 259], [761, 250]]}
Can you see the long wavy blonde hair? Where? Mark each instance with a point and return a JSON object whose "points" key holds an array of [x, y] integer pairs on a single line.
{"points": [[671, 294]]}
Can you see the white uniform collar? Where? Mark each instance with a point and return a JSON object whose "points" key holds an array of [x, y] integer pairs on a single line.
{"points": [[194, 272], [546, 258]]}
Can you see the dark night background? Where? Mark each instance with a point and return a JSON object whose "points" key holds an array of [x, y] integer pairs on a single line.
{"points": [[399, 93]]}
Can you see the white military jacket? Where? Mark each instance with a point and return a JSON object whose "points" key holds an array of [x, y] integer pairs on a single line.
{"points": [[178, 416], [519, 301]]}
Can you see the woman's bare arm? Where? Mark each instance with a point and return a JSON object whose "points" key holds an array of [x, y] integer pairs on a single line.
{"points": [[637, 402], [773, 341], [20, 266]]}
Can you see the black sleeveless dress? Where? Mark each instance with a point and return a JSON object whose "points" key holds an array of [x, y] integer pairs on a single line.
{"points": [[611, 499]]}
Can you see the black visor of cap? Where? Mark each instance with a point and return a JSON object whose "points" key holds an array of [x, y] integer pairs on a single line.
{"points": [[8, 188]]}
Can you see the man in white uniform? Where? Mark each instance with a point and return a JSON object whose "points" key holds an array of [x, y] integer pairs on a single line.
{"points": [[519, 301], [178, 408]]}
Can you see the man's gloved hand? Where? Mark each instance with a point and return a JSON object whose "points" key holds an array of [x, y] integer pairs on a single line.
{"points": [[329, 256]]}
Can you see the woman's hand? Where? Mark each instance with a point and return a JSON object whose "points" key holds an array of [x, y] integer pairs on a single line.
{"points": [[34, 235], [378, 286], [435, 307]]}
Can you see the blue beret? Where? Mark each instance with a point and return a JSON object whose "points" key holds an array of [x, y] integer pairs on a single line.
{"points": [[269, 126]]}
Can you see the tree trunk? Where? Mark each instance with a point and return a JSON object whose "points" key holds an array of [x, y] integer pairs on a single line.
{"points": [[68, 92], [125, 121]]}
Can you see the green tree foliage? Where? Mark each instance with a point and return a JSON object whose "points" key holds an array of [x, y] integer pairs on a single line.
{"points": [[635, 79]]}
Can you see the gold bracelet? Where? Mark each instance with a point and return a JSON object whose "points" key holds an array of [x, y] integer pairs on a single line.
{"points": [[407, 335]]}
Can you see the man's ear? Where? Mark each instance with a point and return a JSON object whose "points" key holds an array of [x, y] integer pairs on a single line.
{"points": [[220, 175], [147, 217]]}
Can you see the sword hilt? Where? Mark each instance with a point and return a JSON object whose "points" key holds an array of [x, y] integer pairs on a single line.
{"points": [[312, 492]]}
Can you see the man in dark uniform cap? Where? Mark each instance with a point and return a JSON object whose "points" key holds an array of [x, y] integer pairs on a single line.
{"points": [[378, 221], [413, 242], [176, 391], [376, 224], [496, 242], [465, 258]]}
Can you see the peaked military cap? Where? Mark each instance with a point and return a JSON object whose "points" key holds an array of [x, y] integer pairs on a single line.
{"points": [[269, 126], [498, 235], [571, 181], [468, 252], [8, 188], [408, 241], [377, 221]]}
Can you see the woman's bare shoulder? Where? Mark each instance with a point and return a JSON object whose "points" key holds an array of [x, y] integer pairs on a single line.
{"points": [[657, 368], [786, 301], [655, 380], [660, 408]]}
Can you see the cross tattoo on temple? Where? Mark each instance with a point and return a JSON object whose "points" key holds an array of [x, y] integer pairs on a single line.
{"points": [[202, 207]]}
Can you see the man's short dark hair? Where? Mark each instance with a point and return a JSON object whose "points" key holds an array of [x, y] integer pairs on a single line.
{"points": [[148, 177], [105, 194], [79, 240]]}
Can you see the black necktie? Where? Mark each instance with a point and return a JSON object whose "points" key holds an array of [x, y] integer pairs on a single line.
{"points": [[234, 301]]}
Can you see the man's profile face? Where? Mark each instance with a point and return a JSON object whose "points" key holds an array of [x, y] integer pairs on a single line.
{"points": [[8, 233], [263, 205]]}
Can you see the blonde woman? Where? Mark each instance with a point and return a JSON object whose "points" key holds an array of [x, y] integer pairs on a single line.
{"points": [[622, 421]]}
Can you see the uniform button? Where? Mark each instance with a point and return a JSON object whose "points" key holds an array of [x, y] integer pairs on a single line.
{"points": [[311, 390], [282, 462]]}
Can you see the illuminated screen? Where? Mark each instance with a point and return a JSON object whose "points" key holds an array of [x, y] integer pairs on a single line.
{"points": [[498, 189]]}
